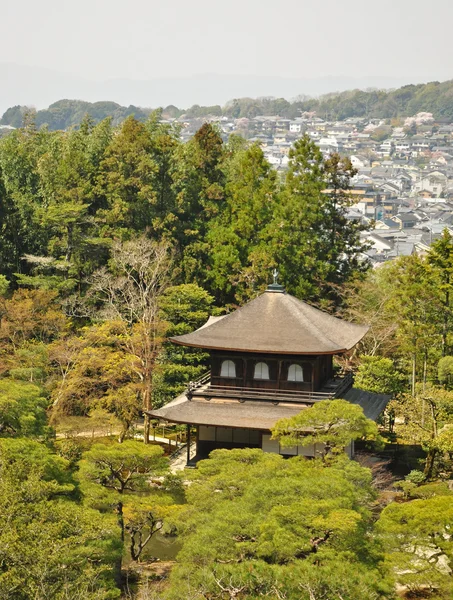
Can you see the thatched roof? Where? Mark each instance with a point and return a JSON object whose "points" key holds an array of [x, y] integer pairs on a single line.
{"points": [[276, 323]]}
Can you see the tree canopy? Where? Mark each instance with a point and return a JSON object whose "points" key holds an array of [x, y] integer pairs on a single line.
{"points": [[262, 525]]}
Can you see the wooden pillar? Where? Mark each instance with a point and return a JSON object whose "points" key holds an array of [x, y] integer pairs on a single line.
{"points": [[188, 443]]}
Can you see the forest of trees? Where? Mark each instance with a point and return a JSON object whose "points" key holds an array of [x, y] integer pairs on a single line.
{"points": [[114, 238], [433, 97]]}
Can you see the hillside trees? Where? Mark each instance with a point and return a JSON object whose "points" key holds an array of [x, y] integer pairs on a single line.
{"points": [[433, 97], [65, 114]]}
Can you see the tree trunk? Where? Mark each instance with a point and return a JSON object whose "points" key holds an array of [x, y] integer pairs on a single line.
{"points": [[413, 375], [146, 429], [429, 464], [147, 407], [135, 554], [122, 434], [119, 512], [425, 368]]}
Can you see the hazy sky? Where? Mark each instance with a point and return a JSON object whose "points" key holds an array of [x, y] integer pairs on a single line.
{"points": [[103, 39]]}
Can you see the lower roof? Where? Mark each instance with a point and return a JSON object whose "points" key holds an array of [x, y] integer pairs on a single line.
{"points": [[254, 414]]}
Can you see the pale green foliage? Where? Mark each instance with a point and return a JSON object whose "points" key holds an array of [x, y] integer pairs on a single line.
{"points": [[23, 409], [418, 542], [410, 483], [31, 456], [377, 374], [416, 477], [123, 467], [429, 490], [4, 285], [445, 369], [50, 547], [444, 440], [332, 423]]}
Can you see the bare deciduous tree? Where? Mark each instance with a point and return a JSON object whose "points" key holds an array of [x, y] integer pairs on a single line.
{"points": [[129, 292]]}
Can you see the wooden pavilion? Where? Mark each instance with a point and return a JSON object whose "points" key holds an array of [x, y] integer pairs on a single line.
{"points": [[270, 359]]}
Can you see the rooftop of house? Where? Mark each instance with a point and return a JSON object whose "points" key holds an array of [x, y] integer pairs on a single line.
{"points": [[407, 217]]}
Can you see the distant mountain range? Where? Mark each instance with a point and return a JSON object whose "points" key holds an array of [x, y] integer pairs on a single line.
{"points": [[38, 87], [434, 97]]}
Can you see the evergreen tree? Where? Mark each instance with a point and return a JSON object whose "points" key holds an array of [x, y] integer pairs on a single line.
{"points": [[316, 247], [239, 259], [199, 182], [440, 256], [258, 525]]}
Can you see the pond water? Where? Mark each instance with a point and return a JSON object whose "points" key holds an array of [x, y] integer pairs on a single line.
{"points": [[162, 547]]}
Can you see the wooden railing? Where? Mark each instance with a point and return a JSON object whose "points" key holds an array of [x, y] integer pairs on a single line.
{"points": [[344, 384], [203, 388]]}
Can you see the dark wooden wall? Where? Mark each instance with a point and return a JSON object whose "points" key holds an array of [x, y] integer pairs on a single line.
{"points": [[317, 370]]}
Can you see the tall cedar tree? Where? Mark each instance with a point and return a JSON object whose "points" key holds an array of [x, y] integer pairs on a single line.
{"points": [[239, 259], [200, 194], [315, 245]]}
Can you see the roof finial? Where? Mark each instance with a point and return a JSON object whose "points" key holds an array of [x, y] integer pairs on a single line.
{"points": [[275, 287]]}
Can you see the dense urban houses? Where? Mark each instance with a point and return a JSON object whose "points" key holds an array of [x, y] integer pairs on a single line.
{"points": [[270, 359]]}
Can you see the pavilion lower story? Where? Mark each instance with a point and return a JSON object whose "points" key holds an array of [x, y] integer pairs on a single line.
{"points": [[235, 423], [209, 438]]}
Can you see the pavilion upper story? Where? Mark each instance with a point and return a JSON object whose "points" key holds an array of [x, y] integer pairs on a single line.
{"points": [[276, 345]]}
